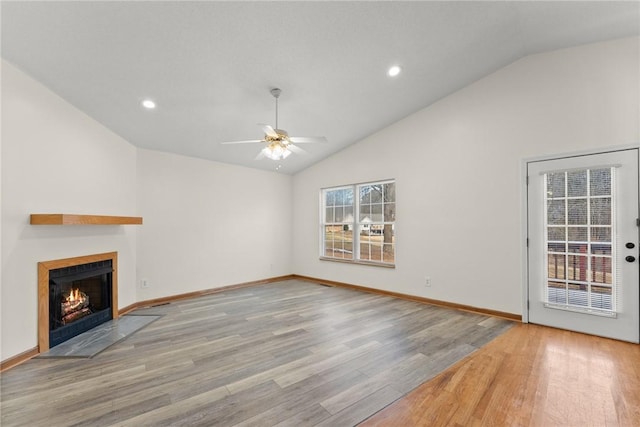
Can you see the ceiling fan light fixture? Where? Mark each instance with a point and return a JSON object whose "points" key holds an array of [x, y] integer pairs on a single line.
{"points": [[276, 151], [278, 144]]}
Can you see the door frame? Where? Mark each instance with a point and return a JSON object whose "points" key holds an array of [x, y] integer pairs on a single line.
{"points": [[524, 210]]}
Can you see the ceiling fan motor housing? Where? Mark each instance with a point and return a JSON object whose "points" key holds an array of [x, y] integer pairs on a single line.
{"points": [[279, 145]]}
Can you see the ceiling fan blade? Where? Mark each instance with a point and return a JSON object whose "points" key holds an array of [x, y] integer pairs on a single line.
{"points": [[307, 139], [252, 141], [268, 130], [296, 150]]}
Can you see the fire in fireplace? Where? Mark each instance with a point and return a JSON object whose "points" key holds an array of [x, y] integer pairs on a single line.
{"points": [[80, 298], [75, 306]]}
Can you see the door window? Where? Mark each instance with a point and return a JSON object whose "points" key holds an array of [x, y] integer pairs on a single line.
{"points": [[579, 230]]}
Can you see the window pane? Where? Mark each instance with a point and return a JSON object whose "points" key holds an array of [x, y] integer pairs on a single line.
{"points": [[376, 194], [601, 249], [348, 214], [555, 185], [378, 243], [388, 253], [328, 240], [390, 192], [348, 197], [577, 234], [600, 234], [328, 215], [578, 248], [329, 231], [328, 248], [601, 297], [556, 233], [577, 183], [365, 194], [376, 213], [347, 240], [389, 212], [555, 265], [556, 247], [365, 213], [578, 294], [365, 252], [388, 240], [577, 211], [373, 240], [330, 198], [338, 241], [577, 267], [600, 182], [556, 292], [601, 211], [601, 270], [555, 212], [328, 251]]}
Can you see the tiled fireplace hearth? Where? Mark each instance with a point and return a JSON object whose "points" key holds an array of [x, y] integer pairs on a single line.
{"points": [[75, 295]]}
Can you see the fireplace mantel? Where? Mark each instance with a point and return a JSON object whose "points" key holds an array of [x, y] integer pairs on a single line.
{"points": [[72, 219]]}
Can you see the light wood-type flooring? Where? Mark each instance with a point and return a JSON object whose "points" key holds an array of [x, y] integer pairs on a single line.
{"points": [[287, 353], [529, 376]]}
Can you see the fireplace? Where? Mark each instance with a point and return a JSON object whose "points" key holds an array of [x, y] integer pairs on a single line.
{"points": [[74, 296], [79, 299]]}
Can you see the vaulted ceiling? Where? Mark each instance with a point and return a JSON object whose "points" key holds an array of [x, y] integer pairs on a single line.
{"points": [[209, 66]]}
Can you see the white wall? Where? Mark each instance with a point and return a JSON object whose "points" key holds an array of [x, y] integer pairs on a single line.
{"points": [[457, 165], [55, 159], [209, 224]]}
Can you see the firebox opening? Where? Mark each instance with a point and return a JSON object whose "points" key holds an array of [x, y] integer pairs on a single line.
{"points": [[80, 298]]}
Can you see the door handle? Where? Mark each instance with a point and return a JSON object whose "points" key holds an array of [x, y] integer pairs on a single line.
{"points": [[630, 258]]}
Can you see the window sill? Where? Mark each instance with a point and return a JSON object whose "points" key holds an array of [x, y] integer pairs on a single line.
{"points": [[350, 261]]}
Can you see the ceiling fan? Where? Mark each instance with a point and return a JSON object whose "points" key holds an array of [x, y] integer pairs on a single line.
{"points": [[279, 145]]}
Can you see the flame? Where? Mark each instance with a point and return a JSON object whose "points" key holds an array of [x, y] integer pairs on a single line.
{"points": [[74, 295]]}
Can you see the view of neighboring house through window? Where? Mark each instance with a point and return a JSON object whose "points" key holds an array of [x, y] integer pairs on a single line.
{"points": [[369, 210]]}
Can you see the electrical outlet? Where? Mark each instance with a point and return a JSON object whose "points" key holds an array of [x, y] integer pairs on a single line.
{"points": [[427, 282], [144, 284]]}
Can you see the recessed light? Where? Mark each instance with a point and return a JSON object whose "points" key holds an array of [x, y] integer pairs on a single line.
{"points": [[148, 104], [394, 71]]}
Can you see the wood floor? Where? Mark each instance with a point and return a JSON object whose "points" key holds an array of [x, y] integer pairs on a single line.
{"points": [[287, 353], [529, 376]]}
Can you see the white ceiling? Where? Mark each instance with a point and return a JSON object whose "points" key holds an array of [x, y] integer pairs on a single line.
{"points": [[210, 65]]}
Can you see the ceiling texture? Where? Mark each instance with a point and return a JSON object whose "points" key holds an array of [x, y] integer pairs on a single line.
{"points": [[209, 66]]}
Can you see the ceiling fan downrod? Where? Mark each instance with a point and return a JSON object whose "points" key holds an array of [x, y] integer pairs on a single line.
{"points": [[276, 94]]}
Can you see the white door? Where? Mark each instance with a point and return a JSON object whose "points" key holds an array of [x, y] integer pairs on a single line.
{"points": [[583, 244]]}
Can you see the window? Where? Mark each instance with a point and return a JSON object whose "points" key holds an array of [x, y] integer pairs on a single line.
{"points": [[358, 223], [580, 231]]}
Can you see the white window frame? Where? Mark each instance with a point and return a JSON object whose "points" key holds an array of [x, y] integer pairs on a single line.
{"points": [[355, 224]]}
